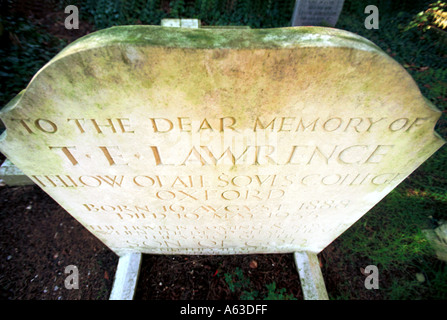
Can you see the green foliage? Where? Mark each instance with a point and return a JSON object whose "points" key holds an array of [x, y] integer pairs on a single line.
{"points": [[428, 18], [238, 283], [253, 13], [26, 52], [404, 290], [437, 280], [433, 285], [390, 235], [357, 7], [395, 246], [277, 294]]}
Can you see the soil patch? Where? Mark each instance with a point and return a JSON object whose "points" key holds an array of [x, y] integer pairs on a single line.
{"points": [[39, 239]]}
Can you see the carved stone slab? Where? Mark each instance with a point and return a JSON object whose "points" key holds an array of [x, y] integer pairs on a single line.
{"points": [[207, 141]]}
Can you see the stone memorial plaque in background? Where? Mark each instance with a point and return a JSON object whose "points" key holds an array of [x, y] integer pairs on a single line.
{"points": [[317, 12], [208, 141]]}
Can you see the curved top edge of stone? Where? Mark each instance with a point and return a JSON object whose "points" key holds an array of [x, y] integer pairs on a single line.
{"points": [[432, 107], [187, 38]]}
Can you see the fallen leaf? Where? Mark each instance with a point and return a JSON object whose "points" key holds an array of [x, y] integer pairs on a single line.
{"points": [[253, 264], [106, 275]]}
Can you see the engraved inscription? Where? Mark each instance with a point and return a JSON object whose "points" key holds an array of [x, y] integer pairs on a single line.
{"points": [[279, 145]]}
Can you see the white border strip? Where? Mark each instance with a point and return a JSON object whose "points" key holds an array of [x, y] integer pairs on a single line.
{"points": [[126, 277], [311, 278]]}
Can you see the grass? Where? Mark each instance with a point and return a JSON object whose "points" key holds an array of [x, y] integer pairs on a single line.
{"points": [[390, 235], [239, 284]]}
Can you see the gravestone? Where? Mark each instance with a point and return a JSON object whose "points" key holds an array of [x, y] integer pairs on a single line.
{"points": [[316, 12], [205, 141]]}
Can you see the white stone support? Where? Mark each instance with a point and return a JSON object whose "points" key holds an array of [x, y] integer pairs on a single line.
{"points": [[181, 23], [126, 277], [311, 278], [12, 176]]}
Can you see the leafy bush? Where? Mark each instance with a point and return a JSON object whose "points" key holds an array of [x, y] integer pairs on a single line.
{"points": [[434, 16], [27, 50]]}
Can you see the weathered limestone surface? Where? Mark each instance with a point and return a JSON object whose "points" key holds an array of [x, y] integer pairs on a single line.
{"points": [[207, 141], [438, 240]]}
